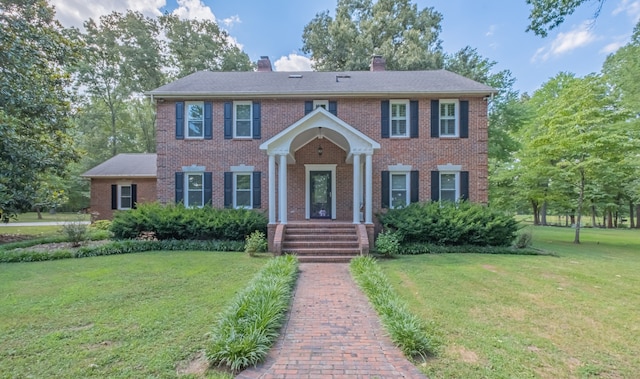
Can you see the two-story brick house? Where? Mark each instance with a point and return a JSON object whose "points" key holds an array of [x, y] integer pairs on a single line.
{"points": [[321, 146]]}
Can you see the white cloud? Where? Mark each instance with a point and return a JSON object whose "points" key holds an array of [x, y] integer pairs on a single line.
{"points": [[230, 21], [630, 7], [75, 12], [565, 42], [612, 47], [491, 31], [194, 9], [293, 62]]}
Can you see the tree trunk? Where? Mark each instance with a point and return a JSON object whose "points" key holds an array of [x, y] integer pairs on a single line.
{"points": [[543, 213], [593, 215], [536, 214], [609, 219], [573, 219], [632, 223], [579, 210], [638, 216], [616, 219], [39, 213]]}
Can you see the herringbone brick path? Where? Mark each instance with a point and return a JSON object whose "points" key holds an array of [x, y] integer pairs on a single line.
{"points": [[331, 332]]}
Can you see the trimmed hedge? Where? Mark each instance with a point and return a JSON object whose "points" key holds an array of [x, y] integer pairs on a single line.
{"points": [[411, 334], [449, 223], [416, 248], [180, 223], [246, 330], [118, 247]]}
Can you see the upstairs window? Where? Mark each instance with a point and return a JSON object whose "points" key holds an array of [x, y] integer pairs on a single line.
{"points": [[194, 120], [448, 118], [399, 118], [242, 117]]}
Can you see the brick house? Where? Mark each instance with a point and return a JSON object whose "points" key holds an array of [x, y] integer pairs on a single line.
{"points": [[122, 182], [321, 147]]}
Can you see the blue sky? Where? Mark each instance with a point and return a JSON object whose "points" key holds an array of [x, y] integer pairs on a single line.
{"points": [[495, 28]]}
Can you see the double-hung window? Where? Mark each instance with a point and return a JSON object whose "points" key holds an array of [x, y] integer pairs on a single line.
{"points": [[195, 190], [124, 197], [449, 186], [399, 118], [242, 119], [194, 120], [399, 189], [242, 194], [448, 118]]}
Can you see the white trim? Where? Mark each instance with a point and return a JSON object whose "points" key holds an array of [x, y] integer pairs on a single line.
{"points": [[235, 119], [242, 168], [456, 103], [186, 119], [400, 167], [194, 168], [321, 103], [307, 185], [449, 167]]}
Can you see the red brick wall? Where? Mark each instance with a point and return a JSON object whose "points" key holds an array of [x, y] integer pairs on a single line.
{"points": [[424, 153], [101, 194]]}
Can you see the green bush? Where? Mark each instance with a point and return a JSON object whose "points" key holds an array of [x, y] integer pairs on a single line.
{"points": [[246, 330], [75, 232], [524, 240], [449, 223], [413, 336], [256, 242], [388, 243], [101, 225], [178, 222], [415, 248]]}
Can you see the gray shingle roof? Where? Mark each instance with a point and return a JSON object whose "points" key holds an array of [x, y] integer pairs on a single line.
{"points": [[315, 83], [125, 166]]}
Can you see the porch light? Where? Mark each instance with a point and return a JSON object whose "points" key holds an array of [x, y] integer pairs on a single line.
{"points": [[320, 150]]}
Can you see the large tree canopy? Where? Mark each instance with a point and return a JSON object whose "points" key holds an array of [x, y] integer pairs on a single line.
{"points": [[35, 105], [406, 37]]}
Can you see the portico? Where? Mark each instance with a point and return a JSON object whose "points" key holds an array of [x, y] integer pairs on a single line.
{"points": [[320, 180]]}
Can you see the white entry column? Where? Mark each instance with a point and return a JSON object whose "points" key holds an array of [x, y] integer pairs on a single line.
{"points": [[282, 189], [272, 189], [356, 188], [368, 190]]}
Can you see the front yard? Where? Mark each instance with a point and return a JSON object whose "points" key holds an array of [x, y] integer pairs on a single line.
{"points": [[572, 316], [134, 315]]}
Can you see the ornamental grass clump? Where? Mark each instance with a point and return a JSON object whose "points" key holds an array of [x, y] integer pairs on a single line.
{"points": [[408, 332], [246, 330]]}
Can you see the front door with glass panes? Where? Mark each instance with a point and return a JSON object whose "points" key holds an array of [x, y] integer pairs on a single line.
{"points": [[320, 193]]}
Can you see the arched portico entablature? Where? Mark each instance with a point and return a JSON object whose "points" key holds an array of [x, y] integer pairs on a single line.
{"points": [[320, 124]]}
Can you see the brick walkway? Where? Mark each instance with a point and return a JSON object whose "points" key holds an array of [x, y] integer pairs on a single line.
{"points": [[331, 332]]}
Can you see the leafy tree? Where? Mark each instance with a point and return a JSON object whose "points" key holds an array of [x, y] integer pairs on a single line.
{"points": [[199, 45], [395, 29], [548, 14], [34, 101]]}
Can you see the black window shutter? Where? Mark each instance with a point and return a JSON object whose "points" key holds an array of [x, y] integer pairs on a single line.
{"points": [[308, 107], [228, 120], [464, 119], [435, 118], [413, 115], [385, 189], [228, 189], [333, 108], [208, 187], [464, 185], [134, 196], [179, 187], [384, 115], [208, 120], [415, 187], [257, 126], [257, 194], [114, 196], [180, 120], [435, 185]]}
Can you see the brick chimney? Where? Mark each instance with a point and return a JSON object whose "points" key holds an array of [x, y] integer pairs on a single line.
{"points": [[377, 63], [264, 64]]}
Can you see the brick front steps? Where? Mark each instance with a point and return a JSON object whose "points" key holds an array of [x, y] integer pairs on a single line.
{"points": [[321, 241]]}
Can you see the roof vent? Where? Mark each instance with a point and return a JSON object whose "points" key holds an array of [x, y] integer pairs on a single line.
{"points": [[338, 77], [295, 76]]}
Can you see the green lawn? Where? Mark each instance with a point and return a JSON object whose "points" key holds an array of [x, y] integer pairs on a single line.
{"points": [[576, 315], [135, 315]]}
